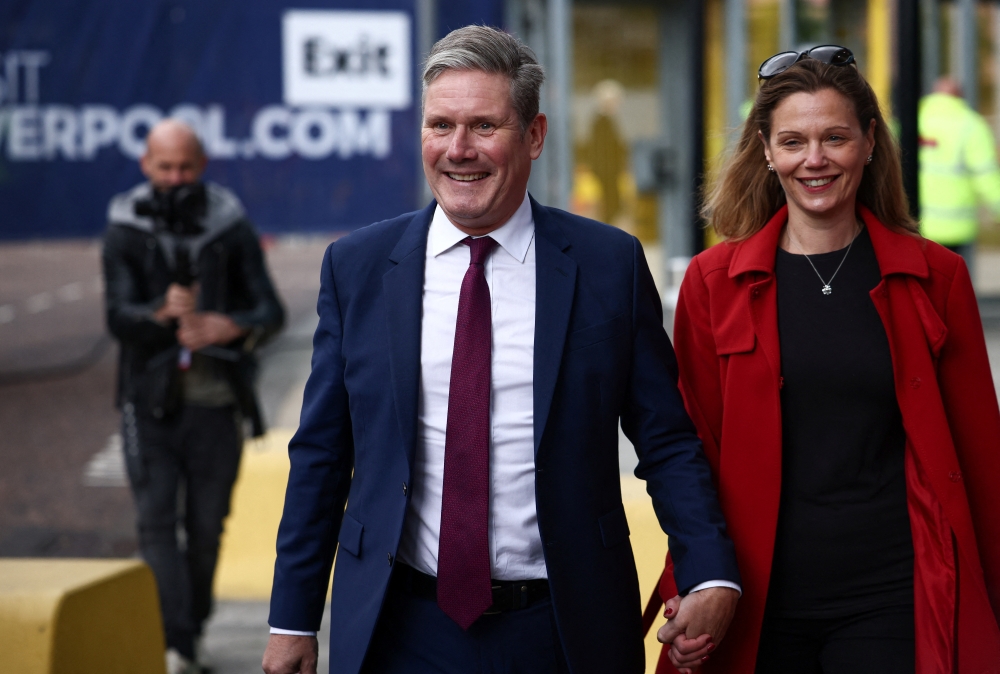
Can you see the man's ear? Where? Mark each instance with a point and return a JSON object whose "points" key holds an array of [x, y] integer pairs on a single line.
{"points": [[536, 134], [144, 164]]}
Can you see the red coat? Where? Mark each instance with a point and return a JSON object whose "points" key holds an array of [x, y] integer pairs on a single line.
{"points": [[726, 337]]}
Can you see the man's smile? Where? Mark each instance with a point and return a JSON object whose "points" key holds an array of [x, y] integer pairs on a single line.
{"points": [[467, 177]]}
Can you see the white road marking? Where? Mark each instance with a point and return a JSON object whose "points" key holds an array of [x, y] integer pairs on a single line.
{"points": [[39, 302], [6, 313], [71, 292], [107, 467]]}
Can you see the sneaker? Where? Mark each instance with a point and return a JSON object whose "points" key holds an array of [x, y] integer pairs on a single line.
{"points": [[178, 664]]}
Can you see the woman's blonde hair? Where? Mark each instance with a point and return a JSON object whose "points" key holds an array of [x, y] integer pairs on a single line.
{"points": [[746, 195]]}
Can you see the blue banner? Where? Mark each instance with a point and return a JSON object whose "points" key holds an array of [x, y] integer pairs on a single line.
{"points": [[308, 111]]}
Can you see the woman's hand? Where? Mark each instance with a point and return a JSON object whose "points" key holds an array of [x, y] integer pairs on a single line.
{"points": [[696, 624]]}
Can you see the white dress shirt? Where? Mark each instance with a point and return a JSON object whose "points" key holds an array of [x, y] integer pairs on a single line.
{"points": [[515, 544]]}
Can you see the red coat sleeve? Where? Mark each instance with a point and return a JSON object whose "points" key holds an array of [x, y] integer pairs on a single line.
{"points": [[698, 363], [970, 402]]}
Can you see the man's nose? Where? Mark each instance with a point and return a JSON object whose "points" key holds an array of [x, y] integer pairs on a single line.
{"points": [[461, 147]]}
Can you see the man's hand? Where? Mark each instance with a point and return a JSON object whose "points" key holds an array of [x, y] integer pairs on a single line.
{"points": [[290, 654], [699, 624], [179, 301], [198, 330]]}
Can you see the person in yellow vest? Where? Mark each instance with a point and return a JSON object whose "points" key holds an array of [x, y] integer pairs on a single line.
{"points": [[958, 169]]}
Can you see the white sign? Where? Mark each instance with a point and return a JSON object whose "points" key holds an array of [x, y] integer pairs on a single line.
{"points": [[347, 58]]}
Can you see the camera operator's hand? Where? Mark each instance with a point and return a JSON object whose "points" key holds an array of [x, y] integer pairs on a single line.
{"points": [[200, 329], [179, 301]]}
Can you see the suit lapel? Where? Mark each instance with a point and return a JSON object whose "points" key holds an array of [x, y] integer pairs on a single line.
{"points": [[555, 285], [403, 287]]}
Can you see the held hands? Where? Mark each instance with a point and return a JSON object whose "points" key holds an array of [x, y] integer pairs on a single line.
{"points": [[179, 301], [290, 654], [196, 329], [696, 625], [200, 329]]}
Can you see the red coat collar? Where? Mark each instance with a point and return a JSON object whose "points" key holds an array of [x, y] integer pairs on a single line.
{"points": [[896, 253]]}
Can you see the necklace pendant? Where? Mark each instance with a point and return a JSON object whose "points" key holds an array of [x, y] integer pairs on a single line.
{"points": [[827, 289]]}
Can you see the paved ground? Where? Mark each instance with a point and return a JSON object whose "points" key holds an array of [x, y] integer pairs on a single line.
{"points": [[62, 489]]}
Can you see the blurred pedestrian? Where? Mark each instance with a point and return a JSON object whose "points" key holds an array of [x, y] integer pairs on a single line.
{"points": [[958, 170], [835, 366], [471, 365], [189, 298]]}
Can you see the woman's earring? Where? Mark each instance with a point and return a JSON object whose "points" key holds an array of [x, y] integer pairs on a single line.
{"points": [[771, 168], [870, 157]]}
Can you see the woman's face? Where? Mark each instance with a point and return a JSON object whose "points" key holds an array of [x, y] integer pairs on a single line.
{"points": [[818, 150]]}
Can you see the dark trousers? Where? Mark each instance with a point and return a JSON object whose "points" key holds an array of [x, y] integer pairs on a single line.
{"points": [[182, 473], [413, 636], [880, 640]]}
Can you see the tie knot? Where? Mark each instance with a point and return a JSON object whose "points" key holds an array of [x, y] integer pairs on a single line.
{"points": [[480, 248]]}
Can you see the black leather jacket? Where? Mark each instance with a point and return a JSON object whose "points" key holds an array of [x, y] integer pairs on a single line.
{"points": [[233, 279]]}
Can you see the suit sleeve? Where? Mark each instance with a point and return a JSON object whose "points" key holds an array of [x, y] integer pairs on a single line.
{"points": [[322, 460], [671, 461], [970, 401]]}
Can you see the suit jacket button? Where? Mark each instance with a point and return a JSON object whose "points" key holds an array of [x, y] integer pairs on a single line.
{"points": [[404, 489], [955, 476], [390, 559]]}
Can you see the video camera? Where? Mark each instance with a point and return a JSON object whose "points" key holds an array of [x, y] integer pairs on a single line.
{"points": [[179, 211]]}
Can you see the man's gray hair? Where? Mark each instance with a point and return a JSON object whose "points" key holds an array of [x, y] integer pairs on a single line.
{"points": [[491, 51]]}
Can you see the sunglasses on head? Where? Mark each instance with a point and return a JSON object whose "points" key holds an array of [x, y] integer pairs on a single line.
{"points": [[830, 54]]}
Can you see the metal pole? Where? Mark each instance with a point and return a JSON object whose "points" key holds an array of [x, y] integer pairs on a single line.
{"points": [[696, 17], [531, 28], [427, 34], [930, 22], [907, 96], [736, 61], [965, 34], [788, 30], [560, 92]]}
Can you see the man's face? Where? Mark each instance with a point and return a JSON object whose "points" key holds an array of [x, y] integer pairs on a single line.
{"points": [[172, 159], [475, 157]]}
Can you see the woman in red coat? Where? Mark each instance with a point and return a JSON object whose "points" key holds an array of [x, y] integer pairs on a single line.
{"points": [[834, 364]]}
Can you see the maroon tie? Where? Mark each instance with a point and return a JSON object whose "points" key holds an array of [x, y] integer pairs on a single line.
{"points": [[463, 587]]}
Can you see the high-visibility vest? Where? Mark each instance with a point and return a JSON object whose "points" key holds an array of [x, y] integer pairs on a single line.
{"points": [[958, 169]]}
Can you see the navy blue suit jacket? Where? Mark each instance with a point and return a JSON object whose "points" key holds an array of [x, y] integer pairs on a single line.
{"points": [[601, 354]]}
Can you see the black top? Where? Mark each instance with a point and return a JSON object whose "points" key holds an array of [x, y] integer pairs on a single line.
{"points": [[843, 541]]}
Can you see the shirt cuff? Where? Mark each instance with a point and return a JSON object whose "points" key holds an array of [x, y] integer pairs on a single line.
{"points": [[710, 583], [294, 633]]}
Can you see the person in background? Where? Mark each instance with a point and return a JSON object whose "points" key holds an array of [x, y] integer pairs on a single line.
{"points": [[958, 170], [470, 367], [835, 366], [188, 297]]}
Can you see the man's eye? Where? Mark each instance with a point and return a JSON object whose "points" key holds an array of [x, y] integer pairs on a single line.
{"points": [[485, 126]]}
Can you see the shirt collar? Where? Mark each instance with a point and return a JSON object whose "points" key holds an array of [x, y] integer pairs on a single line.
{"points": [[514, 236]]}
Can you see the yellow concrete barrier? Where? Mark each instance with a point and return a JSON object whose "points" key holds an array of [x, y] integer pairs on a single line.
{"points": [[79, 616]]}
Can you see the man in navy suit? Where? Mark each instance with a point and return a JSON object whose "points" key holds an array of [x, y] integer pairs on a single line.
{"points": [[470, 368]]}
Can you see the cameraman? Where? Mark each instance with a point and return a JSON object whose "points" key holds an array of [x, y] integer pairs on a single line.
{"points": [[188, 297]]}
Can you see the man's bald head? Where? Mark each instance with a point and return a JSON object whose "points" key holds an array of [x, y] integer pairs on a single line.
{"points": [[174, 155], [946, 85]]}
